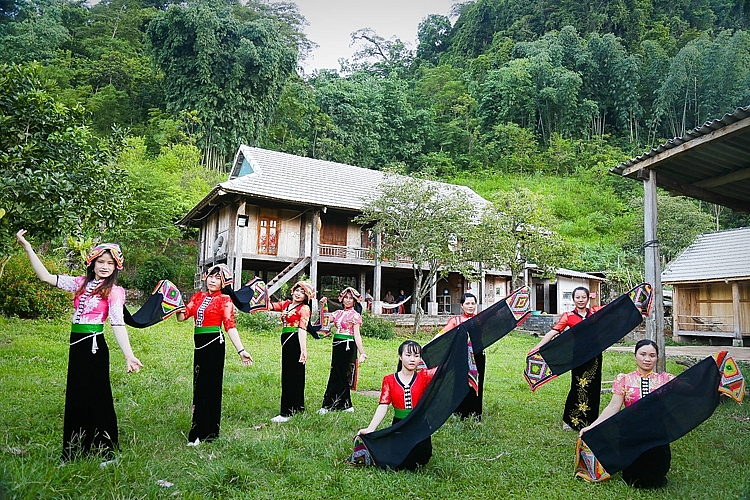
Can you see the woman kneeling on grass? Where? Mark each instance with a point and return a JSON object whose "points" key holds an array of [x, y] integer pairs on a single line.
{"points": [[403, 390], [211, 310], [90, 422]]}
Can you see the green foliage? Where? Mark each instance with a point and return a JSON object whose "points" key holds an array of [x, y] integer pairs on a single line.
{"points": [[55, 177], [229, 69], [158, 267], [376, 327], [258, 322], [24, 296]]}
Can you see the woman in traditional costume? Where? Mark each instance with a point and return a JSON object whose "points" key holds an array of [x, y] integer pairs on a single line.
{"points": [[403, 390], [650, 469], [471, 406], [90, 422], [211, 310], [346, 342], [582, 403], [295, 316]]}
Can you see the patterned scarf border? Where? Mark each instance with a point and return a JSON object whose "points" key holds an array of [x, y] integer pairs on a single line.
{"points": [[360, 457], [588, 467], [732, 382]]}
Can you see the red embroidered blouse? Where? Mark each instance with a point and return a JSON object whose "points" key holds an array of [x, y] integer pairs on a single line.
{"points": [[572, 318], [405, 396], [211, 309], [296, 317]]}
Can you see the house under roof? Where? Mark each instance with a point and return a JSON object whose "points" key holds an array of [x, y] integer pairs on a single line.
{"points": [[264, 174], [722, 255]]}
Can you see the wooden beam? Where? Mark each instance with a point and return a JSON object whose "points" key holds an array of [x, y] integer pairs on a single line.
{"points": [[687, 145], [739, 175], [737, 342], [692, 191], [655, 320]]}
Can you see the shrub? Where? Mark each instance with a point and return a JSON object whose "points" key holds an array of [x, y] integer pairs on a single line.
{"points": [[376, 327], [153, 269], [23, 295], [257, 322]]}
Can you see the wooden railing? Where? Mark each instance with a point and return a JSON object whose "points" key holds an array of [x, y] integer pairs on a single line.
{"points": [[343, 252]]}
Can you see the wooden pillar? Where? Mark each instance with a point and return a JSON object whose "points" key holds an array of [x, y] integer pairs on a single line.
{"points": [[655, 321], [314, 249], [239, 237], [377, 276], [737, 342], [302, 234], [432, 307], [362, 282]]}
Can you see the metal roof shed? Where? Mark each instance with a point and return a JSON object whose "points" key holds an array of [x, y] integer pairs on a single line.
{"points": [[710, 163]]}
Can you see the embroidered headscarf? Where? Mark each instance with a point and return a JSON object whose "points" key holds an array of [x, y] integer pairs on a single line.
{"points": [[307, 288], [355, 294], [225, 274], [98, 250]]}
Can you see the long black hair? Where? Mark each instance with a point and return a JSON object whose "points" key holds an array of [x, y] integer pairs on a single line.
{"points": [[409, 346], [107, 283]]}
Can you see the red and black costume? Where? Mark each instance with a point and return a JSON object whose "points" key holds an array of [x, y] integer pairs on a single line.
{"points": [[582, 403], [211, 310], [293, 317]]}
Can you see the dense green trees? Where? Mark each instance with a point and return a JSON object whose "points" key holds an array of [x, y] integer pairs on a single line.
{"points": [[511, 94]]}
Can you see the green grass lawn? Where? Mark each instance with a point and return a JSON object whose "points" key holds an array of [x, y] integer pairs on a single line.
{"points": [[518, 451]]}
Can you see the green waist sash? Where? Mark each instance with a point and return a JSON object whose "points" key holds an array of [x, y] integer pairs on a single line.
{"points": [[206, 329], [401, 413], [84, 328], [289, 329], [342, 336]]}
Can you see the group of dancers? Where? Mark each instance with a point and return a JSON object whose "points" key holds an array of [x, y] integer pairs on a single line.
{"points": [[433, 381]]}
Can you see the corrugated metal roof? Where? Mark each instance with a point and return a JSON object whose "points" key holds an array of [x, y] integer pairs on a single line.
{"points": [[710, 162], [306, 181], [712, 256]]}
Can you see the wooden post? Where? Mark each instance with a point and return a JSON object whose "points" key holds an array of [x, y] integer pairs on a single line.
{"points": [[655, 321], [315, 234], [737, 342], [377, 276], [239, 233]]}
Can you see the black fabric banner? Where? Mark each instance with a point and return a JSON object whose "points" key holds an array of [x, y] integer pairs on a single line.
{"points": [[663, 416], [594, 335], [390, 446]]}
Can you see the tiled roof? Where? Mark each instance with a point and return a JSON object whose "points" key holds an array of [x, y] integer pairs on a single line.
{"points": [[307, 181], [712, 256]]}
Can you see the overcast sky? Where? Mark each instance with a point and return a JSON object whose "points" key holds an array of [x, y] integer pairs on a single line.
{"points": [[332, 21]]}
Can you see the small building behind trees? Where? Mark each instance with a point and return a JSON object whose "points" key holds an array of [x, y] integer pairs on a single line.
{"points": [[711, 288]]}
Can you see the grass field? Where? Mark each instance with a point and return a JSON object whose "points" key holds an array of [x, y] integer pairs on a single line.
{"points": [[518, 451]]}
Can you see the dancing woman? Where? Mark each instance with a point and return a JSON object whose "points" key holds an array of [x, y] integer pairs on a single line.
{"points": [[471, 406], [346, 342], [650, 469], [582, 403], [295, 315], [90, 422], [403, 390], [211, 310]]}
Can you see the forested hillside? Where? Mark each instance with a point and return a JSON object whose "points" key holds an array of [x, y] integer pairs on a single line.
{"points": [[152, 99]]}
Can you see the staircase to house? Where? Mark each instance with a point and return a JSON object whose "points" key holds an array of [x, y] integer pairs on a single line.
{"points": [[288, 273]]}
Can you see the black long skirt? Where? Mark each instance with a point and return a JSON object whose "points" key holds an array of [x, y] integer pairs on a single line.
{"points": [[337, 395], [208, 376], [650, 468], [418, 456], [582, 404], [90, 422], [471, 406], [292, 376]]}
